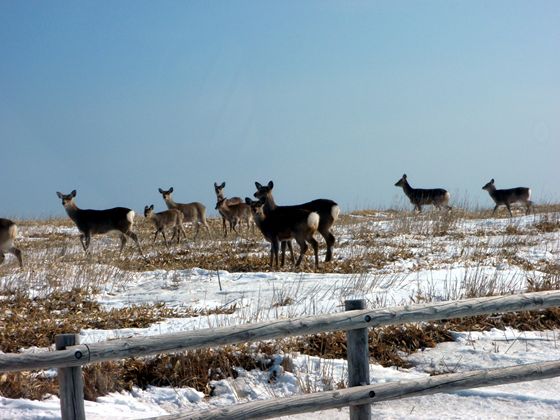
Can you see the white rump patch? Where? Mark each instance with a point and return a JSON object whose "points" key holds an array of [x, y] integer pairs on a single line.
{"points": [[130, 216], [335, 211], [313, 220]]}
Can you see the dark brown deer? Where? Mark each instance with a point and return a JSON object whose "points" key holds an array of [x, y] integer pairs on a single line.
{"points": [[234, 213], [284, 224], [327, 210], [8, 233], [219, 190], [193, 212], [509, 196], [438, 197], [94, 222], [169, 218]]}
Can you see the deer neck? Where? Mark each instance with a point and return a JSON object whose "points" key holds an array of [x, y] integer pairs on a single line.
{"points": [[407, 188], [72, 210], [269, 204], [170, 203]]}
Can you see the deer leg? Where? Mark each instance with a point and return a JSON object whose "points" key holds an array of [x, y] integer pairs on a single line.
{"points": [[315, 246], [15, 251], [529, 207], [84, 242], [155, 236], [164, 238], [283, 258], [495, 208], [123, 242], [274, 245], [224, 226], [330, 240], [302, 250], [134, 237], [509, 209], [2, 257]]}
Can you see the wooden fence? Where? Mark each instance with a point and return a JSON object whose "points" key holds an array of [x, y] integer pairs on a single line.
{"points": [[71, 355]]}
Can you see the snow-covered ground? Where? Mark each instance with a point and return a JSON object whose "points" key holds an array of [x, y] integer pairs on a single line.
{"points": [[439, 268]]}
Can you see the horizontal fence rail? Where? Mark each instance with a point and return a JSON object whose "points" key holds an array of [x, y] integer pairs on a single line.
{"points": [[375, 393], [167, 343]]}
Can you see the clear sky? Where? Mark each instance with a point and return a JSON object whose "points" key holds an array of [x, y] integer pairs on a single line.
{"points": [[331, 99]]}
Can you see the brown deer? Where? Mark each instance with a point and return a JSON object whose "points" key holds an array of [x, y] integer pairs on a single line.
{"points": [[168, 218], [284, 224], [327, 210], [93, 222], [8, 233], [509, 196], [219, 190], [193, 212], [233, 213], [438, 197]]}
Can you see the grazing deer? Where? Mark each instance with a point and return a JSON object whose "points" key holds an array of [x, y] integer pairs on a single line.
{"points": [[193, 212], [168, 218], [93, 222], [233, 213], [219, 190], [327, 210], [438, 197], [284, 224], [509, 196], [8, 233]]}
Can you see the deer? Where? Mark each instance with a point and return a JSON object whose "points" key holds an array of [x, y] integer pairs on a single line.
{"points": [[8, 233], [438, 197], [168, 218], [233, 213], [509, 196], [98, 222], [219, 190], [193, 212], [284, 224], [327, 210]]}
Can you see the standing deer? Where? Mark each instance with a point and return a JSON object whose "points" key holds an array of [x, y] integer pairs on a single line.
{"points": [[219, 190], [8, 233], [193, 212], [168, 218], [438, 197], [233, 213], [327, 210], [509, 196], [93, 222], [283, 224]]}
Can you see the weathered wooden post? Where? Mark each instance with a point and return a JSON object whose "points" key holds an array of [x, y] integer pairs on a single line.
{"points": [[358, 360], [70, 382]]}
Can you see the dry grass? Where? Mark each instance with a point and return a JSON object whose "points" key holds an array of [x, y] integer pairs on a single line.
{"points": [[368, 241]]}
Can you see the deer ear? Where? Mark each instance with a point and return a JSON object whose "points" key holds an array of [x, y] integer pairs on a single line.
{"points": [[160, 190], [404, 176], [259, 186], [171, 189], [73, 193], [60, 195], [152, 207], [146, 208], [270, 184], [223, 185], [492, 181], [247, 200]]}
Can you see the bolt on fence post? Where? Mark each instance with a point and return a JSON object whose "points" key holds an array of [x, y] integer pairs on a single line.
{"points": [[70, 382], [358, 360]]}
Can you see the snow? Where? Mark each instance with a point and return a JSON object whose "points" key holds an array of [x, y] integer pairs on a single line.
{"points": [[436, 273]]}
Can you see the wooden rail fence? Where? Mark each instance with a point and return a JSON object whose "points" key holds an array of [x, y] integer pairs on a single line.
{"points": [[69, 358]]}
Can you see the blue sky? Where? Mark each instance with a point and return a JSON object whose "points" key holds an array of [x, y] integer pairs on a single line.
{"points": [[333, 99]]}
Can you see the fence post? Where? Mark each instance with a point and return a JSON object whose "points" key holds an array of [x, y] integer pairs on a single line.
{"points": [[70, 382], [358, 360]]}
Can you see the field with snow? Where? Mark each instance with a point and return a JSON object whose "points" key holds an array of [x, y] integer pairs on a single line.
{"points": [[388, 258]]}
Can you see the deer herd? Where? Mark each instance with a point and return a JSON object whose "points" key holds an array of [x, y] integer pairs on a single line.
{"points": [[278, 224]]}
